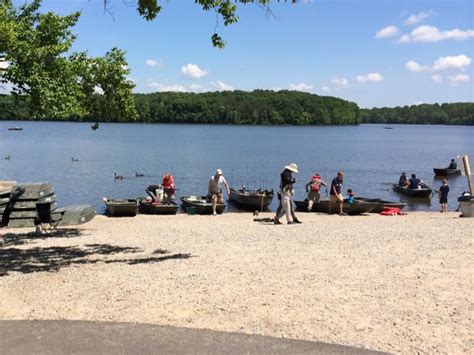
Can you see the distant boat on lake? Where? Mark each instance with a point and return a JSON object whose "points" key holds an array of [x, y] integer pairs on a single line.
{"points": [[15, 128], [388, 127]]}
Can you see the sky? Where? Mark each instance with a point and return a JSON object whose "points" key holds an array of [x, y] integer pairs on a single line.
{"points": [[374, 52]]}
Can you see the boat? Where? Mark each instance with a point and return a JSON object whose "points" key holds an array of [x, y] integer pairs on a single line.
{"points": [[446, 171], [379, 205], [121, 208], [15, 128], [147, 206], [326, 206], [423, 191], [251, 199], [200, 205], [388, 127]]}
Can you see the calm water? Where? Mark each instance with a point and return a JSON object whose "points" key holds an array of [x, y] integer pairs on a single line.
{"points": [[372, 157]]}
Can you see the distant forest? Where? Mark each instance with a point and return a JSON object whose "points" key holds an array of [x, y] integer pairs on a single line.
{"points": [[262, 107]]}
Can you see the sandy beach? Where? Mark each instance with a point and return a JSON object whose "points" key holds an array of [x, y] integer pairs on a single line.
{"points": [[400, 284]]}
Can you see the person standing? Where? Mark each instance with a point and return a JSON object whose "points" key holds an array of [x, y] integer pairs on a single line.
{"points": [[335, 194], [453, 164], [443, 196], [286, 193], [313, 188], [168, 187], [214, 191]]}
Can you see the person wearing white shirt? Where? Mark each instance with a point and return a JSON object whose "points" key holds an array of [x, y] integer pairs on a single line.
{"points": [[214, 190]]}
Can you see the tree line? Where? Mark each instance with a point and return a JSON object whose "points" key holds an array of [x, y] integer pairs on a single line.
{"points": [[262, 107], [461, 113]]}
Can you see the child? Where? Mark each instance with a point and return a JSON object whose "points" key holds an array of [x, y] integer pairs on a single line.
{"points": [[443, 196], [350, 196]]}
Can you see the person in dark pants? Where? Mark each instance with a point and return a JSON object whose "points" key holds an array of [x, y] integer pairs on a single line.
{"points": [[443, 196], [335, 194]]}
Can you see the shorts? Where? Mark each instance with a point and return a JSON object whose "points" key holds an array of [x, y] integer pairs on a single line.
{"points": [[314, 196], [443, 200], [337, 198], [219, 196]]}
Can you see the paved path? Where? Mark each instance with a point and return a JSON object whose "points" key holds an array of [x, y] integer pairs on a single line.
{"points": [[80, 337]]}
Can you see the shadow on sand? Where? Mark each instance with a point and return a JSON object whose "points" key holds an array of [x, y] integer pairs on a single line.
{"points": [[54, 258]]}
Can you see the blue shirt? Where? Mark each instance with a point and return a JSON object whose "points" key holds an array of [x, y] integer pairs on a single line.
{"points": [[414, 183]]}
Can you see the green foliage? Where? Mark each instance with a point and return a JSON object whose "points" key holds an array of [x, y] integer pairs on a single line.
{"points": [[225, 10], [262, 107], [452, 114], [49, 83]]}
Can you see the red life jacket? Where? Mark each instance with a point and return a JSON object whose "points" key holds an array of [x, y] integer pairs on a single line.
{"points": [[315, 185]]}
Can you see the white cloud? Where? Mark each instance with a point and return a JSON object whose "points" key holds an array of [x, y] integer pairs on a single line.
{"points": [[98, 90], [387, 32], [196, 88], [446, 63], [458, 79], [441, 64], [325, 89], [301, 87], [220, 86], [433, 34], [437, 78], [154, 62], [160, 87], [193, 71], [415, 67], [375, 77], [414, 19], [340, 83]]}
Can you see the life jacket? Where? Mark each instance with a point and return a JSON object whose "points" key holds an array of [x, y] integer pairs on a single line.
{"points": [[168, 182], [316, 181], [390, 211]]}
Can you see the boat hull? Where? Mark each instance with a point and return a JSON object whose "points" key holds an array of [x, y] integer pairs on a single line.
{"points": [[121, 208], [424, 191], [146, 207], [379, 205], [200, 205], [251, 200], [446, 172], [326, 206]]}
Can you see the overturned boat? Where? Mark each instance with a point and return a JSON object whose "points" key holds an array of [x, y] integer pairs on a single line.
{"points": [[251, 199]]}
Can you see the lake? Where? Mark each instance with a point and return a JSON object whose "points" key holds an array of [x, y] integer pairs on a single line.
{"points": [[371, 157]]}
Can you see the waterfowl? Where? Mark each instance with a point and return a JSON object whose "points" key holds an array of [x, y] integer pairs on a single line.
{"points": [[118, 177], [74, 159], [7, 157], [138, 175]]}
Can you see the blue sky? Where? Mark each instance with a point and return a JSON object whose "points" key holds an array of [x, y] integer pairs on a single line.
{"points": [[375, 53]]}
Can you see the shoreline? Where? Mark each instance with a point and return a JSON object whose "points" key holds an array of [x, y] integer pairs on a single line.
{"points": [[391, 283]]}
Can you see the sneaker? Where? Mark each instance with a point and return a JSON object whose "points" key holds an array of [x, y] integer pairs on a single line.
{"points": [[214, 213], [290, 223], [297, 221], [342, 214], [276, 221]]}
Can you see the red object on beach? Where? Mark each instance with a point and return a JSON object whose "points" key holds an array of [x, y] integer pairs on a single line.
{"points": [[391, 211]]}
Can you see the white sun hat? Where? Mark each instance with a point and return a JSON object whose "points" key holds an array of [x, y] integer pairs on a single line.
{"points": [[292, 167]]}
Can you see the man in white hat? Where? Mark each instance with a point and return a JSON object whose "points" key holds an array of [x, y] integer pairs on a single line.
{"points": [[214, 190], [287, 192]]}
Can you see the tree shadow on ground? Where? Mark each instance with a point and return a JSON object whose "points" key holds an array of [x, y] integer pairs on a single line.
{"points": [[14, 239], [52, 259]]}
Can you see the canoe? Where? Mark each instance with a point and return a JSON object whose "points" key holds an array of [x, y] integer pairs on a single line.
{"points": [[423, 191], [326, 206], [446, 171], [251, 199], [379, 205], [200, 205], [15, 129], [148, 207], [121, 208]]}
